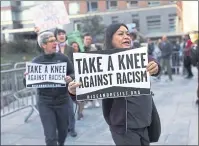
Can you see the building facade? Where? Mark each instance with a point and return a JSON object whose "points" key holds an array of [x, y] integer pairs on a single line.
{"points": [[150, 17]]}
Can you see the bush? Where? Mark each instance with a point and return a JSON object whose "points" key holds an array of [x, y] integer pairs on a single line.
{"points": [[19, 46]]}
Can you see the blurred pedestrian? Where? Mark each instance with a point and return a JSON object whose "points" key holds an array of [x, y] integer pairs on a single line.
{"points": [[151, 47], [67, 50], [187, 56], [195, 55], [134, 42], [88, 46], [166, 52]]}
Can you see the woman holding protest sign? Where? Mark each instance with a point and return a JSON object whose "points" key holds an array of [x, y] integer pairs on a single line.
{"points": [[52, 101], [132, 120]]}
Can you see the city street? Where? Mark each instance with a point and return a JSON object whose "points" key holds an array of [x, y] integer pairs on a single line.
{"points": [[175, 102]]}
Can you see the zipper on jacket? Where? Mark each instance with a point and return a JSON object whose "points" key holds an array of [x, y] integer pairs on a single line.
{"points": [[126, 116]]}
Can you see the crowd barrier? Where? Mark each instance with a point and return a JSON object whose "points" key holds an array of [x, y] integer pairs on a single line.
{"points": [[14, 95], [176, 62]]}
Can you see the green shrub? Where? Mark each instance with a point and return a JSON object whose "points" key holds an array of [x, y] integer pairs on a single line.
{"points": [[19, 46]]}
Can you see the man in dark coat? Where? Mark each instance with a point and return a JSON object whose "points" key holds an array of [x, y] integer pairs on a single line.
{"points": [[195, 55]]}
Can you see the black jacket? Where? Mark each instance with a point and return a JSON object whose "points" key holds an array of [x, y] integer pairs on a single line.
{"points": [[166, 49], [68, 51], [151, 48], [116, 111], [54, 95], [195, 55]]}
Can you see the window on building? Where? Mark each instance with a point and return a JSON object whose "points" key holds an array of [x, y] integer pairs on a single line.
{"points": [[136, 21], [111, 4], [153, 3], [5, 3], [132, 3], [154, 23], [172, 2], [137, 24], [172, 22], [27, 3], [77, 25], [114, 19], [73, 8], [92, 6]]}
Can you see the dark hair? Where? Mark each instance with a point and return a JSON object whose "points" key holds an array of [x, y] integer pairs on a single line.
{"points": [[134, 35], [86, 34], [57, 31], [77, 45], [111, 29]]}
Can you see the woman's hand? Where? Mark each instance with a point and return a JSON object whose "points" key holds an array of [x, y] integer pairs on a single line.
{"points": [[68, 79], [37, 30], [72, 87], [152, 68]]}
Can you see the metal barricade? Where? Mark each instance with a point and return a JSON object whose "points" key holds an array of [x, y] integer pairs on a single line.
{"points": [[6, 66], [17, 65], [14, 95], [20, 64], [176, 62]]}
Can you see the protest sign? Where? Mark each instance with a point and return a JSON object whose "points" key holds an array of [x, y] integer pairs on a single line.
{"points": [[50, 14], [45, 75], [112, 73]]}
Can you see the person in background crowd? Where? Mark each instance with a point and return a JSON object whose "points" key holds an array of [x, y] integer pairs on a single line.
{"points": [[88, 46], [176, 56], [127, 117], [195, 54], [75, 47], [166, 52], [80, 104], [151, 47], [183, 42], [62, 47], [53, 102], [134, 42], [187, 57]]}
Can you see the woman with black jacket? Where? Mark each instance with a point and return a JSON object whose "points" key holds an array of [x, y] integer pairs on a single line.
{"points": [[127, 117]]}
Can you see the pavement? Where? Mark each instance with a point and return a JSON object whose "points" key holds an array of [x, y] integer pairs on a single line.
{"points": [[175, 102]]}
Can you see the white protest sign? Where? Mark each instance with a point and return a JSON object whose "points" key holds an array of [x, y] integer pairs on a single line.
{"points": [[112, 73], [49, 15], [46, 75]]}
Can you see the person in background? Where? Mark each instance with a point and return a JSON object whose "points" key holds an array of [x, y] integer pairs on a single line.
{"points": [[187, 56], [53, 102], [62, 46], [127, 117], [166, 52], [67, 50], [134, 42], [195, 55], [88, 46], [80, 104], [151, 47], [75, 47]]}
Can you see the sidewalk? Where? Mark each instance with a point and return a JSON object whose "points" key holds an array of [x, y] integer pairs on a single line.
{"points": [[175, 102]]}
